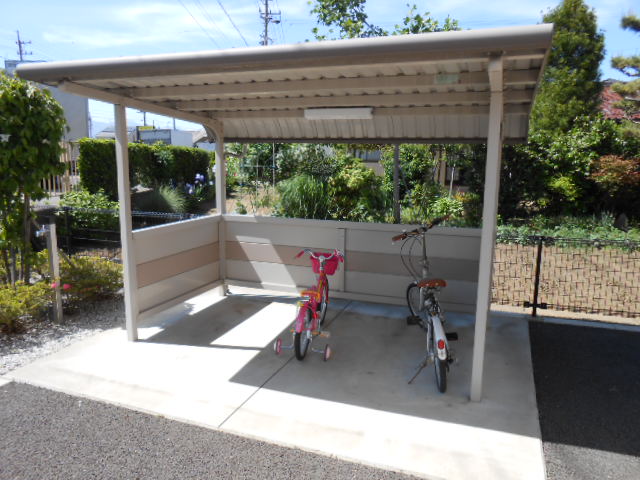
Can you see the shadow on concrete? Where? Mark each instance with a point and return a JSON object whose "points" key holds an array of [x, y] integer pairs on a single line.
{"points": [[202, 328], [588, 386]]}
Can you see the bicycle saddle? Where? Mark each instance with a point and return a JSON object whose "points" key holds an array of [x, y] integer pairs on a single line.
{"points": [[432, 283], [310, 293]]}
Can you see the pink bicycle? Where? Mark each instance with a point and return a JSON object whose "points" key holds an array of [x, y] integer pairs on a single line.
{"points": [[312, 310]]}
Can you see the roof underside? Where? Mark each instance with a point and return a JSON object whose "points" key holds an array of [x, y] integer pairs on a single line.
{"points": [[431, 88]]}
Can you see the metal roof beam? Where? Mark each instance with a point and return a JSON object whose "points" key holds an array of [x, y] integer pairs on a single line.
{"points": [[513, 109], [385, 100], [443, 80], [96, 94]]}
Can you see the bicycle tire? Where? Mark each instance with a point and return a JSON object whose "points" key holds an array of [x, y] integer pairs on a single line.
{"points": [[441, 374], [324, 302], [302, 339], [413, 299]]}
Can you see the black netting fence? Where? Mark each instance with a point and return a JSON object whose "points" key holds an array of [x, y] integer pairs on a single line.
{"points": [[96, 232]]}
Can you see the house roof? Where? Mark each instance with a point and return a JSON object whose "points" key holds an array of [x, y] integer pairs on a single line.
{"points": [[431, 87]]}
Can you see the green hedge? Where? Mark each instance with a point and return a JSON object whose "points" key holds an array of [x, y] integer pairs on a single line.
{"points": [[150, 165]]}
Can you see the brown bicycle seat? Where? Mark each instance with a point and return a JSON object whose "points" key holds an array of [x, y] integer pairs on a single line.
{"points": [[432, 283]]}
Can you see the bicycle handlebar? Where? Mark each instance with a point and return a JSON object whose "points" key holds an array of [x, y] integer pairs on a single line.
{"points": [[322, 258], [420, 230]]}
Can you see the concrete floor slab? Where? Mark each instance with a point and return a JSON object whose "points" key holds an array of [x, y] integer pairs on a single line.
{"points": [[210, 362]]}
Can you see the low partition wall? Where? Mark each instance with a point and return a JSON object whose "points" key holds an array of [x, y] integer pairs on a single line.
{"points": [[260, 251], [176, 261]]}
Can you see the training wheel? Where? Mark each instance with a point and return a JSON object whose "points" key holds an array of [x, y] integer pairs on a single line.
{"points": [[327, 352], [277, 346]]}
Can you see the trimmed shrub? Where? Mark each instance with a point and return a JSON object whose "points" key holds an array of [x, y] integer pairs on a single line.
{"points": [[90, 278], [21, 302], [150, 165]]}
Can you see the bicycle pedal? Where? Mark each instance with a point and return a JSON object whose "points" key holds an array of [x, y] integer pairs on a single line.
{"points": [[413, 320], [452, 336], [324, 334]]}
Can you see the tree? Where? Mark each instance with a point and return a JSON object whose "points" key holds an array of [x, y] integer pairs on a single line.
{"points": [[571, 84], [32, 124], [630, 66], [351, 21]]}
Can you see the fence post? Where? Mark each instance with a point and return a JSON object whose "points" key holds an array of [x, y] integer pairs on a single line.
{"points": [[66, 228], [536, 285], [54, 267]]}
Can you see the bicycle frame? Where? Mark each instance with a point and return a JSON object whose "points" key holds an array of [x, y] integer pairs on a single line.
{"points": [[311, 303]]}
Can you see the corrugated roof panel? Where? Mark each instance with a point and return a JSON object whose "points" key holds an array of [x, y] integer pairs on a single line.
{"points": [[385, 67]]}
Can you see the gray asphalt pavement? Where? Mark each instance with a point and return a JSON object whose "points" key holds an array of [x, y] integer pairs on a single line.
{"points": [[588, 390], [49, 435]]}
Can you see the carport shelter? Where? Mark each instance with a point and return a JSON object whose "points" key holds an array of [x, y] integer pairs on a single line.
{"points": [[471, 86]]}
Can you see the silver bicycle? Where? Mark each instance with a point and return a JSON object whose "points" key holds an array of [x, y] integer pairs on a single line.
{"points": [[422, 299]]}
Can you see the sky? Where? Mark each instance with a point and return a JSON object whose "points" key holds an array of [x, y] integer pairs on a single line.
{"points": [[76, 30]]}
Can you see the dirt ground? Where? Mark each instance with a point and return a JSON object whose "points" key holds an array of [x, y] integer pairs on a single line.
{"points": [[580, 279]]}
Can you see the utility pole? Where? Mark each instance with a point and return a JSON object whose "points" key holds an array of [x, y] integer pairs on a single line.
{"points": [[21, 51], [268, 17]]}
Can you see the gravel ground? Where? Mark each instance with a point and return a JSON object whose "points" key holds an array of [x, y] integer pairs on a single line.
{"points": [[588, 390], [51, 435], [45, 337]]}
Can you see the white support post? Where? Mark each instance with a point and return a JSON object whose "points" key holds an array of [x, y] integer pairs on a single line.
{"points": [[221, 198], [126, 235], [396, 183], [489, 214]]}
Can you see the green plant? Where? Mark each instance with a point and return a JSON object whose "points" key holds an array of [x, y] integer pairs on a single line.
{"points": [[240, 208], [303, 197], [90, 278], [22, 301], [162, 199], [571, 86], [85, 210], [34, 124], [355, 192]]}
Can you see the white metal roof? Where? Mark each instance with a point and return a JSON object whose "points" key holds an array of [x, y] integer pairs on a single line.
{"points": [[431, 87]]}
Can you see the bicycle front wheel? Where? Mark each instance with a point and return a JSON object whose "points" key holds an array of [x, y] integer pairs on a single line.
{"points": [[302, 339], [413, 299], [324, 302]]}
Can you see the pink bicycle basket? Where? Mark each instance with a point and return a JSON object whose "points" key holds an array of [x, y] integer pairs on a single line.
{"points": [[330, 266]]}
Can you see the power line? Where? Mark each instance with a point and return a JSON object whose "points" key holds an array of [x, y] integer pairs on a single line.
{"points": [[280, 23], [196, 20], [209, 18], [232, 22]]}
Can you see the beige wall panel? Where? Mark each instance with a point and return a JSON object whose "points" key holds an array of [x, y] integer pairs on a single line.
{"points": [[164, 240], [166, 267], [283, 234], [275, 274], [383, 263], [161, 292], [263, 252], [458, 292], [444, 243]]}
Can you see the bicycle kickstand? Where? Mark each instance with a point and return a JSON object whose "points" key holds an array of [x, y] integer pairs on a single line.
{"points": [[419, 368]]}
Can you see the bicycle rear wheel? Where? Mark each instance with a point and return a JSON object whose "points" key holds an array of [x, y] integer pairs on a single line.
{"points": [[302, 339], [441, 374], [413, 299]]}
